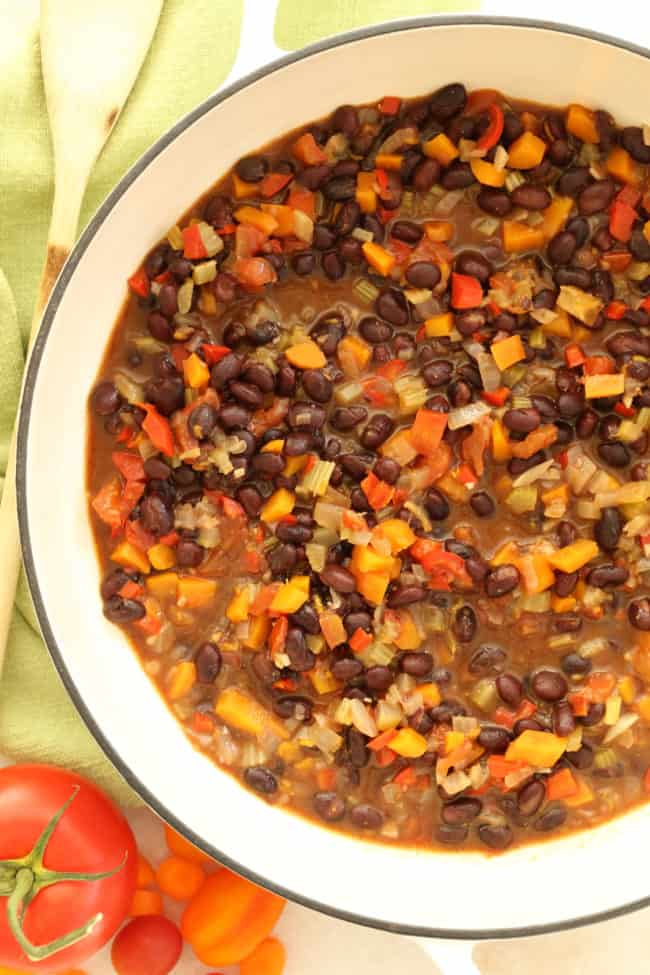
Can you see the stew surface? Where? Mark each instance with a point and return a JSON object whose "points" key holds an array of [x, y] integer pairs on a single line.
{"points": [[367, 469]]}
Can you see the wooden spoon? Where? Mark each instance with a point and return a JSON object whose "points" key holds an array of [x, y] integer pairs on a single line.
{"points": [[91, 55]]}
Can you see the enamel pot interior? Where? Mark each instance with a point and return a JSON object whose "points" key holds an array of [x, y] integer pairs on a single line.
{"points": [[455, 895]]}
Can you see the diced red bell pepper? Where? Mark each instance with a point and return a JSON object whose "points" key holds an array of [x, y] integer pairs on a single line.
{"points": [[630, 195], [163, 278], [621, 220], [302, 199], [494, 130], [645, 304], [139, 283], [307, 150], [626, 411], [467, 475], [466, 291], [202, 723], [382, 740], [130, 466], [158, 429], [384, 215], [427, 431], [106, 504], [391, 370], [599, 365], [390, 105], [278, 635], [616, 261], [382, 178], [574, 356], [248, 240], [137, 535], [193, 246], [615, 310], [480, 100], [497, 397], [359, 640], [214, 353], [254, 272], [379, 493], [274, 182]]}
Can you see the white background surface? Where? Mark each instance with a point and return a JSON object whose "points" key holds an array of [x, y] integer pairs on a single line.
{"points": [[318, 945]]}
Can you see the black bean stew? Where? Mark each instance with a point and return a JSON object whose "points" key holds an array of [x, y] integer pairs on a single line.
{"points": [[368, 466]]}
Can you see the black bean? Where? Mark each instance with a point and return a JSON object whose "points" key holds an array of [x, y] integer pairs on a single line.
{"points": [[579, 228], [614, 453], [358, 753], [496, 837], [296, 534], [303, 263], [166, 393], [638, 613], [189, 554], [496, 202], [448, 101], [488, 659], [338, 578], [202, 420], [375, 331], [526, 724], [168, 300], [324, 237], [460, 393], [475, 264], [482, 504], [407, 231], [458, 176], [632, 343], [461, 811], [573, 181], [345, 418], [301, 657], [425, 175], [347, 218], [577, 277], [329, 806], [501, 580], [531, 197], [639, 246], [347, 668], [268, 465], [436, 504], [379, 678], [437, 373], [366, 817], [465, 624], [416, 663], [583, 758], [113, 582], [208, 663], [563, 721], [597, 197], [553, 817], [530, 797], [261, 779], [160, 327], [120, 610], [607, 575], [333, 265], [560, 152], [346, 119], [282, 559], [306, 618], [586, 424], [340, 188], [392, 306], [608, 528], [595, 714], [523, 420], [575, 665], [252, 168], [468, 322], [250, 499], [294, 706], [633, 140], [450, 835], [512, 128], [106, 399], [565, 583], [561, 248], [377, 430], [155, 516], [423, 274], [510, 689], [494, 738], [226, 369], [571, 404], [316, 385], [549, 685], [306, 415]]}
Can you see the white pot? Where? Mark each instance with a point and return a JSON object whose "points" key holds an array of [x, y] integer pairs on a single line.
{"points": [[549, 886]]}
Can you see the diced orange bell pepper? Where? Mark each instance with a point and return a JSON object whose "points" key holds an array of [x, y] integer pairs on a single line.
{"points": [[573, 557], [351, 347], [556, 215], [487, 173], [306, 355], [622, 167], [378, 257], [427, 431], [507, 352], [409, 743], [258, 631], [131, 557], [257, 218], [194, 592], [439, 231], [288, 599], [581, 122], [243, 190], [240, 710], [408, 637], [541, 749], [182, 679], [283, 216], [399, 448], [441, 148], [332, 629], [397, 532], [238, 607], [526, 152], [195, 371], [164, 585], [365, 559], [307, 150], [603, 385], [518, 237], [439, 325], [280, 504], [373, 586], [501, 451], [561, 785]]}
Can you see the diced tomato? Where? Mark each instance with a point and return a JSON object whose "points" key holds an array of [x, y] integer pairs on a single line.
{"points": [[385, 757], [202, 723], [131, 590], [139, 283], [106, 503], [130, 466], [274, 182], [171, 539], [406, 778], [248, 240], [214, 353], [382, 740], [379, 493], [377, 391], [278, 635], [466, 291], [255, 272], [307, 150], [138, 536], [446, 566], [302, 199], [390, 105], [480, 100], [252, 561], [359, 640], [598, 365], [494, 130], [499, 766], [382, 178], [163, 278], [645, 304], [629, 195], [621, 220], [391, 370], [427, 431], [615, 310], [466, 474], [158, 429], [232, 509], [179, 354], [384, 215], [616, 261], [193, 246]]}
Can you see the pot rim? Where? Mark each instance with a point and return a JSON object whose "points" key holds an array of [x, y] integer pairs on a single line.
{"points": [[49, 315]]}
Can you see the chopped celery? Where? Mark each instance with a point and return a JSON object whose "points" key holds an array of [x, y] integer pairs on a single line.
{"points": [[522, 499], [184, 296], [316, 556], [204, 272], [412, 393], [128, 389], [149, 345], [366, 291], [316, 481], [175, 238], [484, 695]]}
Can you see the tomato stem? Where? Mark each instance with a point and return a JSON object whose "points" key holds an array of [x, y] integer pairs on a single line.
{"points": [[22, 879]]}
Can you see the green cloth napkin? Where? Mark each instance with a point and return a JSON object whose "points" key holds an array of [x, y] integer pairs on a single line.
{"points": [[192, 52]]}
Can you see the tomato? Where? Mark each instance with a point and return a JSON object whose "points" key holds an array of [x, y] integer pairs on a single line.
{"points": [[56, 827], [149, 945]]}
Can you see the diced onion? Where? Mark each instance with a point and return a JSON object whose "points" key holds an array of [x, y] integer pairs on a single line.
{"points": [[408, 136], [624, 723], [361, 718], [537, 473], [448, 203], [455, 782], [466, 415], [490, 372], [500, 158]]}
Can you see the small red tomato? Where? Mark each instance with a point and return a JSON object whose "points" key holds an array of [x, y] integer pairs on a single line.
{"points": [[148, 945], [68, 863]]}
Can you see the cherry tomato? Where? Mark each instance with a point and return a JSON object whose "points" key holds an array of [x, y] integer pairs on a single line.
{"points": [[149, 945], [55, 827]]}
